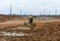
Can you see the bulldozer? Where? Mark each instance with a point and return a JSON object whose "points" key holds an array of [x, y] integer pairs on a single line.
{"points": [[30, 23]]}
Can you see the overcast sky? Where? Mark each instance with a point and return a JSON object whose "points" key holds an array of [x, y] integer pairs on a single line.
{"points": [[30, 6]]}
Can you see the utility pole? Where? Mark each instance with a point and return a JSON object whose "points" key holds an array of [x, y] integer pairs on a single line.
{"points": [[44, 12], [10, 7], [21, 12], [40, 14], [25, 12], [55, 12], [10, 11], [50, 13]]}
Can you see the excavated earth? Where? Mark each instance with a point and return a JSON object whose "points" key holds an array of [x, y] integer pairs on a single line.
{"points": [[42, 30]]}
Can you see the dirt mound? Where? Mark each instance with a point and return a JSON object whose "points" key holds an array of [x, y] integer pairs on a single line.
{"points": [[38, 25], [52, 24], [48, 31]]}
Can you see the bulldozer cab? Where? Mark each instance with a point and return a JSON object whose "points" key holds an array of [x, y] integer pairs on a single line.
{"points": [[30, 21]]}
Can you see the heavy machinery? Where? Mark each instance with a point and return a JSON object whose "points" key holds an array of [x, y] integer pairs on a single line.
{"points": [[30, 22], [27, 24]]}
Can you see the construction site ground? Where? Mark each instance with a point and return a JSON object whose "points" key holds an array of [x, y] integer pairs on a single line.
{"points": [[44, 29]]}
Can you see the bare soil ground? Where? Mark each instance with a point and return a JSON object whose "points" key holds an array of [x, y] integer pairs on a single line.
{"points": [[43, 30]]}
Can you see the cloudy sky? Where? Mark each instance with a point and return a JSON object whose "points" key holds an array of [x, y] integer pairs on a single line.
{"points": [[30, 6]]}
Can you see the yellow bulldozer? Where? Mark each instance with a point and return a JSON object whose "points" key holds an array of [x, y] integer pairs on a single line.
{"points": [[30, 23]]}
